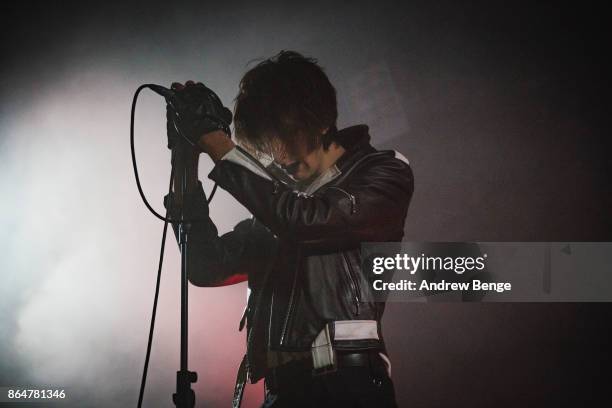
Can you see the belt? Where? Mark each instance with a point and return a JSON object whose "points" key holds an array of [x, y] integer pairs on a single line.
{"points": [[302, 370], [361, 359]]}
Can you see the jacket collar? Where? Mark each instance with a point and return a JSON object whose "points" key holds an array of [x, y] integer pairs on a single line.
{"points": [[356, 142]]}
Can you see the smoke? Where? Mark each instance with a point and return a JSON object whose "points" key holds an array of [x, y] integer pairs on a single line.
{"points": [[493, 140], [82, 250]]}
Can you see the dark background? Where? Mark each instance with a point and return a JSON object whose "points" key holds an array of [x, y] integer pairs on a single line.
{"points": [[502, 110]]}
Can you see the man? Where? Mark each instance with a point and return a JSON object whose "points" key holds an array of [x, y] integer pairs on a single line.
{"points": [[316, 193]]}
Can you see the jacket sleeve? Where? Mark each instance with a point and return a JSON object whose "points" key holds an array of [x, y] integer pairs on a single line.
{"points": [[215, 260], [369, 205]]}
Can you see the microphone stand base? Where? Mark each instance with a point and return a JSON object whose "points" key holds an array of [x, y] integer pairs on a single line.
{"points": [[184, 396]]}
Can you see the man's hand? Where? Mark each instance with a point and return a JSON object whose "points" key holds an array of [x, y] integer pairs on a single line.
{"points": [[195, 117], [202, 118]]}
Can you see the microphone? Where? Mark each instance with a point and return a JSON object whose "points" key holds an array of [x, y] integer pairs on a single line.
{"points": [[168, 94], [172, 101], [163, 91], [176, 103]]}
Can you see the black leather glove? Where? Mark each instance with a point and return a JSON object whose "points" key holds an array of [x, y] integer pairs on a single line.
{"points": [[197, 111]]}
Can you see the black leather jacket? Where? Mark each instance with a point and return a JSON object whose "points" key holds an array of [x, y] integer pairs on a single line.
{"points": [[301, 252]]}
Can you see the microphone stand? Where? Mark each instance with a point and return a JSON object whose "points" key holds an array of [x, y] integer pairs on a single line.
{"points": [[184, 397]]}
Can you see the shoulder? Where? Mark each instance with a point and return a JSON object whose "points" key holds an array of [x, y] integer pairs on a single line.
{"points": [[397, 155], [384, 169], [383, 162]]}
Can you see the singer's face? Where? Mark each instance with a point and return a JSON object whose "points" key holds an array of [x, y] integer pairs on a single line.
{"points": [[301, 163]]}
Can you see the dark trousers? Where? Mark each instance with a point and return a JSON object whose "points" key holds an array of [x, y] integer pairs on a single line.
{"points": [[293, 385]]}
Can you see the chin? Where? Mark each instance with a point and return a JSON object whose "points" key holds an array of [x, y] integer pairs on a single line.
{"points": [[306, 178], [304, 174]]}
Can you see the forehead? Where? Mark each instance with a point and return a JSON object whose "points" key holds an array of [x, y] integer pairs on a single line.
{"points": [[294, 144]]}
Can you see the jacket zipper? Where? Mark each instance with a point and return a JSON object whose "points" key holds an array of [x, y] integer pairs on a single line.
{"points": [[251, 330], [270, 320], [353, 282], [290, 307], [255, 314], [349, 195]]}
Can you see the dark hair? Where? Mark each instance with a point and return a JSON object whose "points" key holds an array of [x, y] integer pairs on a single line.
{"points": [[287, 97]]}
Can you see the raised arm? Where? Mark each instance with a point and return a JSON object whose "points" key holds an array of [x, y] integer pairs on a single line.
{"points": [[370, 205]]}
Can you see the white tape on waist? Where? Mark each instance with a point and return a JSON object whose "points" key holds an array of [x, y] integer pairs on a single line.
{"points": [[355, 330]]}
